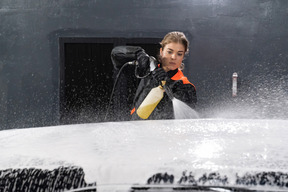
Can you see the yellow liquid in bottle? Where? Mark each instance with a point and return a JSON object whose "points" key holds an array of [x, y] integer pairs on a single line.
{"points": [[145, 111], [150, 102]]}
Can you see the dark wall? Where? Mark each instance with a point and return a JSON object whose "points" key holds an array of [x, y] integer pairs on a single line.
{"points": [[248, 37]]}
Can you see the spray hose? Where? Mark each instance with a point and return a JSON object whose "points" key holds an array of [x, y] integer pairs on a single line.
{"points": [[118, 75]]}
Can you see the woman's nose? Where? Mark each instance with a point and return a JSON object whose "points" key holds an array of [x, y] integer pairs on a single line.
{"points": [[173, 56]]}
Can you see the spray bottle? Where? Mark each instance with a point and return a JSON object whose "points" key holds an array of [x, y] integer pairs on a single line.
{"points": [[152, 100]]}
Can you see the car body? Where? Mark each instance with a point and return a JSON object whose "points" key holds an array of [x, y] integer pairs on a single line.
{"points": [[120, 155]]}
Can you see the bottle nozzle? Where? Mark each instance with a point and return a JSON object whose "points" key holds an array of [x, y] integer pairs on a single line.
{"points": [[167, 89], [133, 62], [168, 92]]}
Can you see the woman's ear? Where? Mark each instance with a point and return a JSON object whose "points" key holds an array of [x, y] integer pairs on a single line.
{"points": [[161, 51]]}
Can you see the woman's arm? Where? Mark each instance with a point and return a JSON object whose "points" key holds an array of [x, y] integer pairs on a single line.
{"points": [[123, 54], [184, 92]]}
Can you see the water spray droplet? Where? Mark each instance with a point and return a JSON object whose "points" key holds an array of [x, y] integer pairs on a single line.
{"points": [[183, 111]]}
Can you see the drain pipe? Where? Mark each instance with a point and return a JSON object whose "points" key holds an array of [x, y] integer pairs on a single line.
{"points": [[234, 84]]}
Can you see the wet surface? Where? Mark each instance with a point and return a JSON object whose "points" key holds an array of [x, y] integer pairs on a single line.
{"points": [[131, 152], [28, 180]]}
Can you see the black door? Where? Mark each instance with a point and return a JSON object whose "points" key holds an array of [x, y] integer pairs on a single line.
{"points": [[87, 79]]}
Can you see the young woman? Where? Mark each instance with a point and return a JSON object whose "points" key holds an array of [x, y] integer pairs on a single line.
{"points": [[174, 46]]}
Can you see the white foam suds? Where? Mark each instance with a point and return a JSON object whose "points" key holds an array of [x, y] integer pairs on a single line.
{"points": [[131, 152]]}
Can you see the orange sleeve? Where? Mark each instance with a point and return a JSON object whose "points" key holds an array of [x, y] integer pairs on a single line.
{"points": [[132, 111], [179, 76]]}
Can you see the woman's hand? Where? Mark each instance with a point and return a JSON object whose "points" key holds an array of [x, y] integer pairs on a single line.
{"points": [[142, 59], [159, 75]]}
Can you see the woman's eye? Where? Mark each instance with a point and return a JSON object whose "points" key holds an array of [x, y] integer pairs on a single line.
{"points": [[180, 54], [169, 52]]}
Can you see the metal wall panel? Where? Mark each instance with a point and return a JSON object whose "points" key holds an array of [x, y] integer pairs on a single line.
{"points": [[248, 37]]}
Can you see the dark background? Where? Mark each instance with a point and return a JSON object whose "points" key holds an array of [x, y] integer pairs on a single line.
{"points": [[55, 66]]}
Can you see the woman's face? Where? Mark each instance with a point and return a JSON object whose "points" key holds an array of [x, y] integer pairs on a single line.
{"points": [[172, 56]]}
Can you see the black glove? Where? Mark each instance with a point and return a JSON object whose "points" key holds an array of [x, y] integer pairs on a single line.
{"points": [[159, 75], [142, 59], [123, 54]]}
